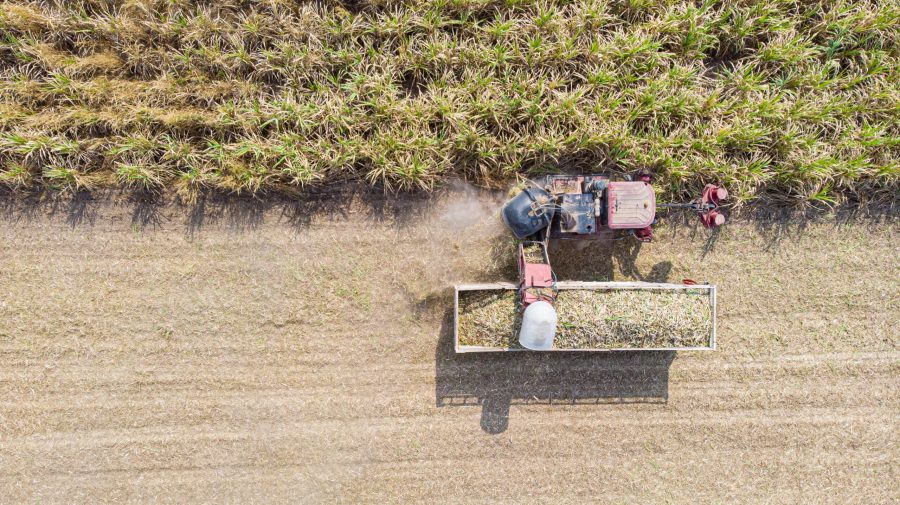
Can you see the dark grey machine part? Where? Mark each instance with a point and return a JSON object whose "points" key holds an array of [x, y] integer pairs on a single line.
{"points": [[529, 212], [577, 214]]}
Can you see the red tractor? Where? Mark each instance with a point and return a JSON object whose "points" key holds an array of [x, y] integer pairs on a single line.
{"points": [[588, 207]]}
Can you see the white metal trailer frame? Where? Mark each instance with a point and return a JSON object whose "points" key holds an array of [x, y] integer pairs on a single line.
{"points": [[588, 286]]}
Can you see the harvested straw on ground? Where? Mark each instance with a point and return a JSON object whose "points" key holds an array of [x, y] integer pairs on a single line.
{"points": [[594, 319], [632, 318], [488, 318], [534, 253]]}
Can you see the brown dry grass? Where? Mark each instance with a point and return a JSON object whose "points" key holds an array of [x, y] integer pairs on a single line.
{"points": [[633, 319], [534, 253], [251, 358], [488, 318]]}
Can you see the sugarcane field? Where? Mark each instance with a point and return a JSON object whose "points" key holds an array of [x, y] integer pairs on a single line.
{"points": [[450, 251]]}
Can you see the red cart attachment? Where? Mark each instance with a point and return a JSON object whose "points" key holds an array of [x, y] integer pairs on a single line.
{"points": [[709, 203], [536, 279]]}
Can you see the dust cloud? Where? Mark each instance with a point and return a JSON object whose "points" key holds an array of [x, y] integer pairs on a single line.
{"points": [[461, 240], [467, 205]]}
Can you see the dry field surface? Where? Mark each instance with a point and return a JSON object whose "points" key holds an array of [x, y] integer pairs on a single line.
{"points": [[268, 353]]}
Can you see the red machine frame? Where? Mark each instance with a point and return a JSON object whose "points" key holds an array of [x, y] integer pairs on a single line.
{"points": [[594, 207]]}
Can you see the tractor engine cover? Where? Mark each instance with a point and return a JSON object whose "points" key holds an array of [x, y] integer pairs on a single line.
{"points": [[577, 214], [630, 205], [529, 212]]}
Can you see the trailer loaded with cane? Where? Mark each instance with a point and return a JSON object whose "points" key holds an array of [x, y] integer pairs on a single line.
{"points": [[539, 313]]}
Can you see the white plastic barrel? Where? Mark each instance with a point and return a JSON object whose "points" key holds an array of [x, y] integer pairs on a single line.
{"points": [[538, 326]]}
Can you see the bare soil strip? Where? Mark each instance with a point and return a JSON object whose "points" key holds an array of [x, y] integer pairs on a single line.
{"points": [[263, 353]]}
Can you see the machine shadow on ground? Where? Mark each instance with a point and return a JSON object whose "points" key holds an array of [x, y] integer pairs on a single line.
{"points": [[496, 380], [151, 210]]}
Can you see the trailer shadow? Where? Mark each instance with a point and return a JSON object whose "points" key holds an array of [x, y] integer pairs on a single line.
{"points": [[495, 381], [599, 260]]}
